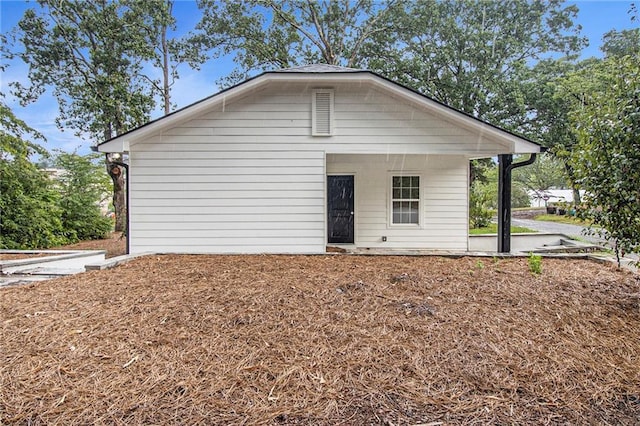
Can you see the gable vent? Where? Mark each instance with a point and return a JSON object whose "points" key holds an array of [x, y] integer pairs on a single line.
{"points": [[322, 113]]}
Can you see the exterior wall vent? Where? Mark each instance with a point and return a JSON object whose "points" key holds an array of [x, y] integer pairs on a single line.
{"points": [[322, 113]]}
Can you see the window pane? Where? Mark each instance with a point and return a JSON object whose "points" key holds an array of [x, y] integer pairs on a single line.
{"points": [[396, 212], [405, 188], [414, 218], [414, 212]]}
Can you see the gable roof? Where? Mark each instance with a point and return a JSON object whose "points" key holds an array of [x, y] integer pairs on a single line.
{"points": [[319, 73]]}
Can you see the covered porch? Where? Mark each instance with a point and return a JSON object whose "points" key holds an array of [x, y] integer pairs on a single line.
{"points": [[397, 201]]}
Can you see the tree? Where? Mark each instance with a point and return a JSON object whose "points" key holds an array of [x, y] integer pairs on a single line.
{"points": [[474, 56], [268, 34], [606, 158], [82, 185], [29, 214], [549, 109], [483, 197], [471, 55], [168, 52], [91, 53], [546, 173], [621, 43]]}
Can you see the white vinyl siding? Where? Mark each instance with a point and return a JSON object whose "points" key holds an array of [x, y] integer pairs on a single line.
{"points": [[247, 176], [248, 203], [279, 119]]}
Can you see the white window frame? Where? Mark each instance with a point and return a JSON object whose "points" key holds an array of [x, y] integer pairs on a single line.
{"points": [[314, 128], [391, 199]]}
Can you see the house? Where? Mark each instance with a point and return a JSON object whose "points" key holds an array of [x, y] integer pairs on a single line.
{"points": [[553, 195], [294, 160]]}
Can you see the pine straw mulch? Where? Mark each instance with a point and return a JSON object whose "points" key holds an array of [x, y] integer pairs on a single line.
{"points": [[329, 339], [115, 245], [22, 256]]}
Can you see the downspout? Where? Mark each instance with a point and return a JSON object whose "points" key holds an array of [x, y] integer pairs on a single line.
{"points": [[504, 198], [126, 168]]}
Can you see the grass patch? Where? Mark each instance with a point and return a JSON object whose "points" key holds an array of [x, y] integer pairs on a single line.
{"points": [[570, 220], [493, 229]]}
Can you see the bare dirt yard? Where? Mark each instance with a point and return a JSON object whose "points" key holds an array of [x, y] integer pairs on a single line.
{"points": [[330, 339]]}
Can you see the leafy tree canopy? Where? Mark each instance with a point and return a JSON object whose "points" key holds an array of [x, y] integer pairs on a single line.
{"points": [[606, 157], [621, 43], [472, 55], [273, 34], [546, 173], [90, 53], [13, 132], [29, 213]]}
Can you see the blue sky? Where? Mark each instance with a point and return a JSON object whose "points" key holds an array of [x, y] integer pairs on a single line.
{"points": [[595, 17]]}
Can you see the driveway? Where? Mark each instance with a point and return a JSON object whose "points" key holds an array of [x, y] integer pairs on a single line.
{"points": [[557, 228]]}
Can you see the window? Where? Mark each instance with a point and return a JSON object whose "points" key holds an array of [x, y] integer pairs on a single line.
{"points": [[322, 112], [405, 200]]}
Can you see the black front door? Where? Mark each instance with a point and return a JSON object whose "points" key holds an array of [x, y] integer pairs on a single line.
{"points": [[340, 209]]}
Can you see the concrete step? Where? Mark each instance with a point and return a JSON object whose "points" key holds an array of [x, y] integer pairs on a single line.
{"points": [[569, 246]]}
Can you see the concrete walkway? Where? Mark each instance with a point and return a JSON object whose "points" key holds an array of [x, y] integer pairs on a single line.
{"points": [[49, 264]]}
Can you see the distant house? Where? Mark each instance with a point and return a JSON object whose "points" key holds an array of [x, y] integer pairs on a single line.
{"points": [[294, 160], [551, 196]]}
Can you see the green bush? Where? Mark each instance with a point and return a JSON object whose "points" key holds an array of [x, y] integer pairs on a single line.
{"points": [[479, 215], [82, 185], [30, 216]]}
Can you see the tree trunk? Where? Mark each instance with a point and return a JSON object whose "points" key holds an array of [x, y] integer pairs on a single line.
{"points": [[576, 191], [119, 204], [166, 75], [166, 88], [576, 197]]}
